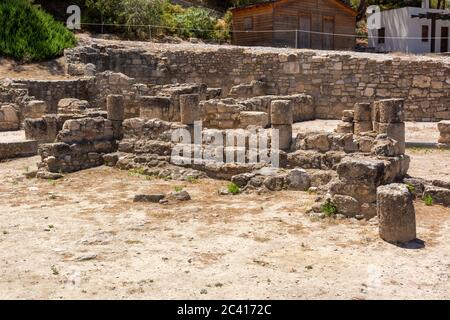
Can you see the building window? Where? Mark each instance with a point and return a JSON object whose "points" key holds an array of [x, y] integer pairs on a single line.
{"points": [[248, 23], [424, 33], [381, 35]]}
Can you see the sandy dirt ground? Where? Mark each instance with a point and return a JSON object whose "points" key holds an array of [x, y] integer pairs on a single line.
{"points": [[415, 131], [48, 70], [12, 136], [83, 237], [429, 164]]}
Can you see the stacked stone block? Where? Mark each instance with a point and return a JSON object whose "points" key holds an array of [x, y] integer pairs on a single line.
{"points": [[444, 133], [189, 108], [354, 193], [388, 119], [347, 125], [116, 113], [79, 145], [338, 79], [155, 107], [396, 213], [72, 106], [281, 119], [35, 109], [362, 118], [252, 89], [9, 118]]}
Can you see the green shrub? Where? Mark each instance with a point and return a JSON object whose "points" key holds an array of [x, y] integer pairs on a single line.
{"points": [[428, 200], [195, 22], [329, 208], [233, 188], [28, 33]]}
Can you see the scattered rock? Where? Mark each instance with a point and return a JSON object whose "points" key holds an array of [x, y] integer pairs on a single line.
{"points": [[86, 257], [155, 198], [298, 179], [30, 174], [44, 174], [180, 195]]}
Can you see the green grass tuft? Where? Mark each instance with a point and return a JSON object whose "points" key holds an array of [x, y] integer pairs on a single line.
{"points": [[428, 200], [329, 208], [233, 188]]}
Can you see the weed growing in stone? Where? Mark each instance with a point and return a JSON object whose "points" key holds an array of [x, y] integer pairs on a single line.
{"points": [[192, 179], [410, 187], [329, 208], [233, 188], [428, 200], [54, 270]]}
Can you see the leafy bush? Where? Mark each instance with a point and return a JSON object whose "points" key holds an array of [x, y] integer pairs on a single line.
{"points": [[329, 208], [195, 22], [28, 33], [233, 188]]}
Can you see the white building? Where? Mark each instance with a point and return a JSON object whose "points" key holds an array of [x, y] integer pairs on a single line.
{"points": [[412, 30]]}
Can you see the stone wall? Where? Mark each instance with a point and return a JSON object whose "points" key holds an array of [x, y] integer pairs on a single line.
{"points": [[79, 145], [230, 113], [336, 80], [51, 91], [9, 150]]}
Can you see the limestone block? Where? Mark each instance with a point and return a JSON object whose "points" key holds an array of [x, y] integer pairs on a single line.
{"points": [[420, 81], [253, 118], [9, 119], [365, 144], [444, 138], [394, 131], [9, 114], [298, 179], [189, 108], [444, 127], [35, 109], [346, 205], [348, 115], [72, 106], [363, 126], [281, 112], [152, 107], [361, 170], [319, 142], [345, 127], [389, 111], [359, 190], [284, 135], [396, 213], [115, 106], [303, 107], [362, 112]]}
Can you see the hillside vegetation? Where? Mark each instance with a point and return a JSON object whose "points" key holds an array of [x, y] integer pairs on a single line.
{"points": [[28, 33]]}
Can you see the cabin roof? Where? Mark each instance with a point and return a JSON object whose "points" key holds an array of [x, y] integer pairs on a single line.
{"points": [[269, 2]]}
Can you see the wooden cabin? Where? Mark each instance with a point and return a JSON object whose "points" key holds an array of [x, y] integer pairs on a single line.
{"points": [[315, 24]]}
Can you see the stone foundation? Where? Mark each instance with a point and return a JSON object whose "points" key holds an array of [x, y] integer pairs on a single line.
{"points": [[337, 80]]}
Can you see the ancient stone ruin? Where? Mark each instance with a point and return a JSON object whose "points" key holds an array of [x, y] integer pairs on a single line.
{"points": [[181, 116]]}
